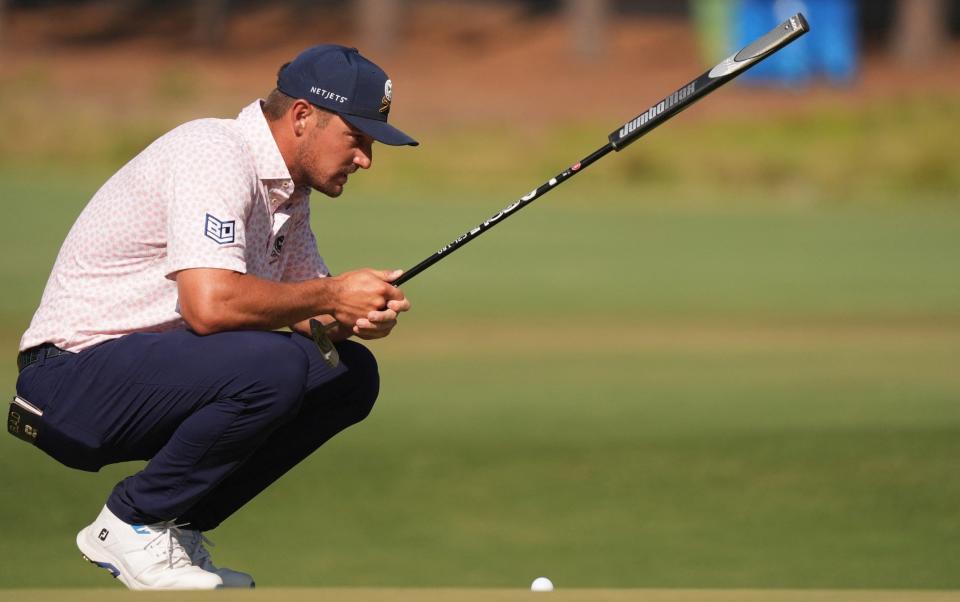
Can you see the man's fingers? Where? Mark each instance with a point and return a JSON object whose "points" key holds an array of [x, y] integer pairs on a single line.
{"points": [[381, 321], [399, 305], [366, 329], [390, 292], [381, 316], [394, 294], [386, 275]]}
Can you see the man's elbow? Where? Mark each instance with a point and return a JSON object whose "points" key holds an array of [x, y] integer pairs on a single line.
{"points": [[205, 298], [207, 310], [203, 318]]}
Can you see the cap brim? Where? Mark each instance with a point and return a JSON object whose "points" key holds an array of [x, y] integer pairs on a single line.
{"points": [[381, 131]]}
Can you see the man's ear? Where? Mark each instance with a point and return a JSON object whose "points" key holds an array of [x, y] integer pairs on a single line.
{"points": [[300, 112]]}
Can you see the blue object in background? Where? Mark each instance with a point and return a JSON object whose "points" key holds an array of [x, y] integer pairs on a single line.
{"points": [[831, 49]]}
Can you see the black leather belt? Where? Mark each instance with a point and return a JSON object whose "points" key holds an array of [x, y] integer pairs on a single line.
{"points": [[35, 354]]}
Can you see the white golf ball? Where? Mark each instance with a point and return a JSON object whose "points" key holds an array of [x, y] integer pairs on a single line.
{"points": [[541, 584]]}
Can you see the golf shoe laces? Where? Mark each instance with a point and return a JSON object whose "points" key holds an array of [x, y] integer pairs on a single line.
{"points": [[169, 533]]}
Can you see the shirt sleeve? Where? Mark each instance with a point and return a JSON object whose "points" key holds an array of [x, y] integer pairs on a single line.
{"points": [[304, 261], [210, 196]]}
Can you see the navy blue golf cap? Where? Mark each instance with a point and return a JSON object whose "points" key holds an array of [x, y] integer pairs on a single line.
{"points": [[339, 79]]}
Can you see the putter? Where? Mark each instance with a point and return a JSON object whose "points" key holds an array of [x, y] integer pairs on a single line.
{"points": [[321, 338], [619, 139]]}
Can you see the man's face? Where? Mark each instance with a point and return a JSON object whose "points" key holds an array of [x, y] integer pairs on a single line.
{"points": [[330, 152]]}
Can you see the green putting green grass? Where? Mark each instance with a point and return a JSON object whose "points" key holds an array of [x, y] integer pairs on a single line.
{"points": [[620, 389], [484, 595]]}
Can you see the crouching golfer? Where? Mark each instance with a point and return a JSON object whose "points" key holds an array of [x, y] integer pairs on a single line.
{"points": [[155, 337]]}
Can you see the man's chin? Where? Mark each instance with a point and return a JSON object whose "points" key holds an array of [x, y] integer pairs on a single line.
{"points": [[331, 190]]}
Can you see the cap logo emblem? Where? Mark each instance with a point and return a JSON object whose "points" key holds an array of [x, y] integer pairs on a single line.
{"points": [[328, 95], [387, 97]]}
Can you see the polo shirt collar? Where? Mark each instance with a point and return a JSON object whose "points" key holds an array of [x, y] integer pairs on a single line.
{"points": [[266, 155]]}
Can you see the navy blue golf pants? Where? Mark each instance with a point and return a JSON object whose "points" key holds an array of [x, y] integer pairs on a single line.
{"points": [[219, 417]]}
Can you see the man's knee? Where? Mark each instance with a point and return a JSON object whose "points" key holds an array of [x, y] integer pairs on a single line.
{"points": [[364, 377]]}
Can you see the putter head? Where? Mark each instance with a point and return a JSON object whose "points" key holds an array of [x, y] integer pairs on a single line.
{"points": [[320, 338]]}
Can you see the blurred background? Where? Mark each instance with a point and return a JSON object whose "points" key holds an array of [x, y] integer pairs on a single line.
{"points": [[727, 357]]}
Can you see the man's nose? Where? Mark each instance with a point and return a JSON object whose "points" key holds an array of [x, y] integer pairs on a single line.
{"points": [[363, 159]]}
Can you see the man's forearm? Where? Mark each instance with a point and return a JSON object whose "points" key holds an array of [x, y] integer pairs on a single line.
{"points": [[214, 300], [362, 301]]}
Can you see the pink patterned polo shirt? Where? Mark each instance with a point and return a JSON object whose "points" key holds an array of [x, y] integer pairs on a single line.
{"points": [[212, 193]]}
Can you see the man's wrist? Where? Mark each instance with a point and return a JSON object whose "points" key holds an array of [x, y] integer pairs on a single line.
{"points": [[325, 292]]}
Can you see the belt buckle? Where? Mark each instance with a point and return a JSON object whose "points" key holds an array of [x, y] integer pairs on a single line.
{"points": [[23, 420]]}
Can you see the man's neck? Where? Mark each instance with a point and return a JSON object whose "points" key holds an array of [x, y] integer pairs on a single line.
{"points": [[285, 144]]}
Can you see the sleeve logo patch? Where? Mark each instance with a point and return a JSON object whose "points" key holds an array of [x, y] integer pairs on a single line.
{"points": [[219, 231]]}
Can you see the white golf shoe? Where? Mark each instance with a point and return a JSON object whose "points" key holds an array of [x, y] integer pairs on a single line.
{"points": [[193, 542], [143, 556]]}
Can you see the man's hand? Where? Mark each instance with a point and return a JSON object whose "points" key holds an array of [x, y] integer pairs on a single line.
{"points": [[378, 324], [367, 303]]}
